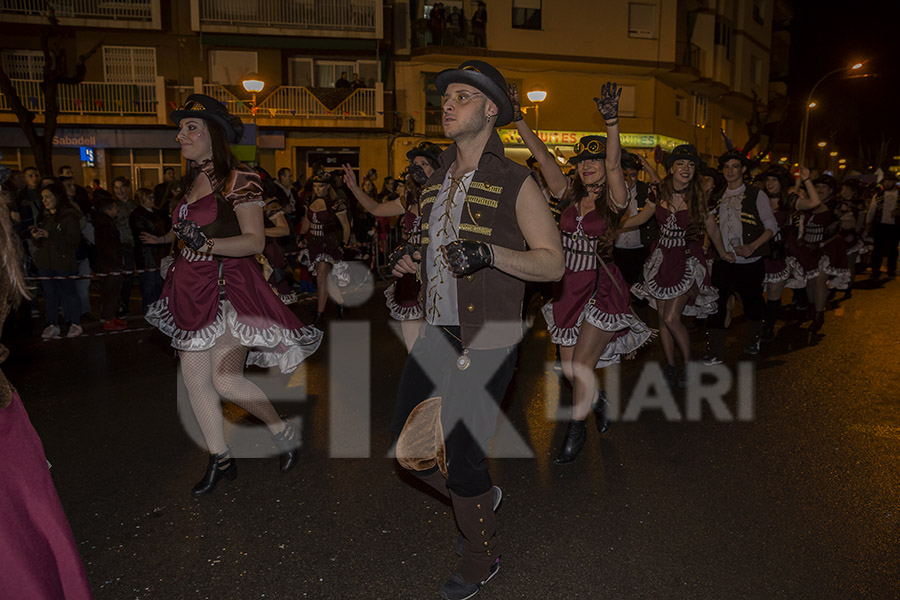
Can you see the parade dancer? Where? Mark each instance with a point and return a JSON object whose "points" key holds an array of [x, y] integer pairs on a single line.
{"points": [[632, 247], [276, 226], [486, 229], [326, 226], [590, 315], [402, 296], [746, 222], [676, 280], [883, 223], [809, 264], [215, 305], [784, 202]]}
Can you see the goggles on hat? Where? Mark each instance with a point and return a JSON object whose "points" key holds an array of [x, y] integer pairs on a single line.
{"points": [[593, 147], [192, 105]]}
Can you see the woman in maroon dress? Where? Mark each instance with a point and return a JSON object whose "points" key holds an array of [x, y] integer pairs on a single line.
{"points": [[38, 553], [327, 229], [590, 316], [402, 296], [676, 279], [215, 305]]}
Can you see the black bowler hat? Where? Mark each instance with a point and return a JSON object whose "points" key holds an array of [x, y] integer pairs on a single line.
{"points": [[734, 155], [590, 147], [782, 175], [210, 109], [321, 177], [486, 79], [631, 161], [683, 152], [429, 150]]}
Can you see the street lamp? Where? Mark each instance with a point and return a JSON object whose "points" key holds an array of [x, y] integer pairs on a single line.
{"points": [[810, 104], [253, 84], [822, 144], [537, 96]]}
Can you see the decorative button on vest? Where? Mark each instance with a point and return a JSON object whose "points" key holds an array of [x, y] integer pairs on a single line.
{"points": [[470, 308]]}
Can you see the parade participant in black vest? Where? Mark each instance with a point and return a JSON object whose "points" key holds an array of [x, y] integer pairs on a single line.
{"points": [[883, 222], [486, 229], [747, 223], [632, 246]]}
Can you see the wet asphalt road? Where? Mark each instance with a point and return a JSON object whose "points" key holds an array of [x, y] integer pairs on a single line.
{"points": [[802, 501]]}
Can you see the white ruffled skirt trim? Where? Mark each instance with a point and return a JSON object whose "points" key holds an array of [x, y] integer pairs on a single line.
{"points": [[266, 345], [782, 275], [704, 303], [339, 268], [401, 313], [638, 333]]}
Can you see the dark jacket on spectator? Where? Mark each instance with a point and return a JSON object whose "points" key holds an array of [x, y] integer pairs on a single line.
{"points": [[145, 255], [108, 242], [56, 252]]}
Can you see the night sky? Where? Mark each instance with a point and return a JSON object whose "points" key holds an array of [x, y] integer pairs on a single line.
{"points": [[827, 35]]}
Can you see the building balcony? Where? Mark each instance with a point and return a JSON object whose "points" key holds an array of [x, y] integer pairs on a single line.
{"points": [[295, 106], [93, 102], [131, 14], [360, 19]]}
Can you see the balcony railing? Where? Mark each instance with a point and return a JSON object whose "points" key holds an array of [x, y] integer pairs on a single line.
{"points": [[116, 10], [345, 15], [90, 98], [688, 55], [293, 101]]}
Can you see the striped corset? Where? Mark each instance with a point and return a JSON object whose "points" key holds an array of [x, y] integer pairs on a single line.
{"points": [[670, 234], [580, 252]]}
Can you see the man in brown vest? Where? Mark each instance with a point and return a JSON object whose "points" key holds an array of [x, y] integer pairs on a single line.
{"points": [[486, 229]]}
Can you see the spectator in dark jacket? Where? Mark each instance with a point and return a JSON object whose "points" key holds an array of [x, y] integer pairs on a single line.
{"points": [[144, 219], [109, 260], [55, 241]]}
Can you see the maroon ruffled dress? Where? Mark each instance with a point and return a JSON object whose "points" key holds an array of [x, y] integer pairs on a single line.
{"points": [[812, 256], [777, 269], [190, 310], [402, 296], [323, 240], [588, 292], [677, 266], [275, 255]]}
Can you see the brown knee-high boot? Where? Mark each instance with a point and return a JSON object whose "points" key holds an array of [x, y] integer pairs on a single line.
{"points": [[478, 524]]}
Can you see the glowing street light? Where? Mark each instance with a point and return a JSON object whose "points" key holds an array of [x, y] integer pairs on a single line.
{"points": [[810, 104], [822, 144], [253, 84], [842, 161], [537, 96], [832, 153]]}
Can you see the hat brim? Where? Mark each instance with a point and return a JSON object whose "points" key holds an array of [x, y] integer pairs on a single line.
{"points": [[586, 156], [416, 152], [484, 84], [671, 160], [231, 125]]}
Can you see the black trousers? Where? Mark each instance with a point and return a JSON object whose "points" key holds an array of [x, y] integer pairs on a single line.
{"points": [[470, 401], [744, 279], [886, 238], [631, 263]]}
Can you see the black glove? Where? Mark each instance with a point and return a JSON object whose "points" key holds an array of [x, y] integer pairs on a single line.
{"points": [[512, 90], [401, 251], [465, 256], [417, 173], [189, 232], [608, 102]]}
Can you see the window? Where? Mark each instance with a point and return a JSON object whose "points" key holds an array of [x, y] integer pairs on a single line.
{"points": [[329, 71], [228, 67], [755, 70], [24, 64], [701, 111], [680, 108], [526, 14], [758, 14], [641, 20], [723, 35], [129, 64], [300, 71]]}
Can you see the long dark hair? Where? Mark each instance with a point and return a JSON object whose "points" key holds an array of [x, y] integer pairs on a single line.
{"points": [[695, 199], [11, 252], [62, 201], [224, 161]]}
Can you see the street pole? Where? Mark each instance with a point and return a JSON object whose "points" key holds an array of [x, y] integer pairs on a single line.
{"points": [[804, 129]]}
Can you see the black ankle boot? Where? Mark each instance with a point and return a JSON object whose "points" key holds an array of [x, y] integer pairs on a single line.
{"points": [[671, 375], [573, 443], [601, 412], [220, 466], [341, 312], [318, 320], [818, 321], [288, 443]]}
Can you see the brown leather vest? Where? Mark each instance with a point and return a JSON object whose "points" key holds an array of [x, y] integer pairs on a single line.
{"points": [[489, 301]]}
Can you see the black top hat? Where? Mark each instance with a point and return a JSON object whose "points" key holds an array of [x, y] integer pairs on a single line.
{"points": [[590, 147], [210, 109], [427, 149], [683, 152], [734, 155], [486, 79], [782, 174], [321, 177], [631, 161]]}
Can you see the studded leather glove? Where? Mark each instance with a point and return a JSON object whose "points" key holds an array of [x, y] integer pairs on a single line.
{"points": [[465, 256], [189, 232], [401, 251], [512, 90], [608, 102]]}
